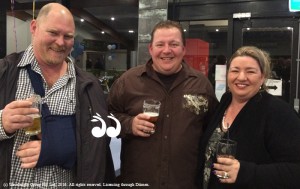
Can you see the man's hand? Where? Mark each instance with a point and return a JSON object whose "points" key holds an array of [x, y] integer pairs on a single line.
{"points": [[15, 115], [141, 126], [29, 153]]}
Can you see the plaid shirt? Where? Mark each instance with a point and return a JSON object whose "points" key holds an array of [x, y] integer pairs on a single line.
{"points": [[61, 101]]}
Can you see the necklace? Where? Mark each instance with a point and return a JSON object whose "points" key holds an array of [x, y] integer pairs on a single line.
{"points": [[225, 127]]}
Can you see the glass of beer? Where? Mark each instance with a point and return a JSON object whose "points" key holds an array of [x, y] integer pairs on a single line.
{"points": [[36, 126], [151, 108]]}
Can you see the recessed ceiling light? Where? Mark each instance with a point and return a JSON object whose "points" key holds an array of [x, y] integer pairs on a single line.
{"points": [[81, 20], [112, 18], [217, 30], [103, 32], [184, 30]]}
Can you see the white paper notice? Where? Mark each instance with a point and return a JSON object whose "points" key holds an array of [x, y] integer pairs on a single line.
{"points": [[220, 72], [274, 87], [220, 84], [220, 88]]}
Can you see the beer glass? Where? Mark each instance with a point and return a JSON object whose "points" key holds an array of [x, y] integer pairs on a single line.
{"points": [[151, 108], [36, 126], [226, 148]]}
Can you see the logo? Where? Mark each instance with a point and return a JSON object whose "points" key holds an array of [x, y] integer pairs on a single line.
{"points": [[110, 131]]}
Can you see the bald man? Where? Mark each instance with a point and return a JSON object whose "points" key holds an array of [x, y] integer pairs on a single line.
{"points": [[65, 152]]}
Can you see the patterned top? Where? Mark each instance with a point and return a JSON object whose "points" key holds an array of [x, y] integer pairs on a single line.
{"points": [[210, 154], [61, 101]]}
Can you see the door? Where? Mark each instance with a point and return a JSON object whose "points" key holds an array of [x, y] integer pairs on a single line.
{"points": [[279, 37]]}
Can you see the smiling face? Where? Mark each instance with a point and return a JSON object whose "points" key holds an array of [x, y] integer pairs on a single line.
{"points": [[244, 78], [53, 36], [167, 50]]}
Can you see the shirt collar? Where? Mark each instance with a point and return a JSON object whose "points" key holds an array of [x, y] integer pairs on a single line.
{"points": [[29, 58]]}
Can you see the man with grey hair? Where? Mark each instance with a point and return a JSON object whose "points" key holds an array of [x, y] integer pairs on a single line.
{"points": [[65, 153]]}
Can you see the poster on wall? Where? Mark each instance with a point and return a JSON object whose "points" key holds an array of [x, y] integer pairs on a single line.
{"points": [[196, 56]]}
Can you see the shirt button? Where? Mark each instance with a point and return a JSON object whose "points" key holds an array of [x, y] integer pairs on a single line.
{"points": [[167, 116], [166, 137]]}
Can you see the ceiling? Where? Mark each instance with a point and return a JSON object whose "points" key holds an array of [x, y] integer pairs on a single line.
{"points": [[97, 15]]}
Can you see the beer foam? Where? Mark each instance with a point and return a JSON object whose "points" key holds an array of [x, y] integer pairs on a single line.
{"points": [[152, 114], [35, 115]]}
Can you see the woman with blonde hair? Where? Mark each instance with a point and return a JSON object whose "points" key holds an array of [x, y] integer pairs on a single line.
{"points": [[266, 129]]}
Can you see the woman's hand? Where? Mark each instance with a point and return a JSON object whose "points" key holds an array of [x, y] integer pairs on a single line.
{"points": [[226, 169]]}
